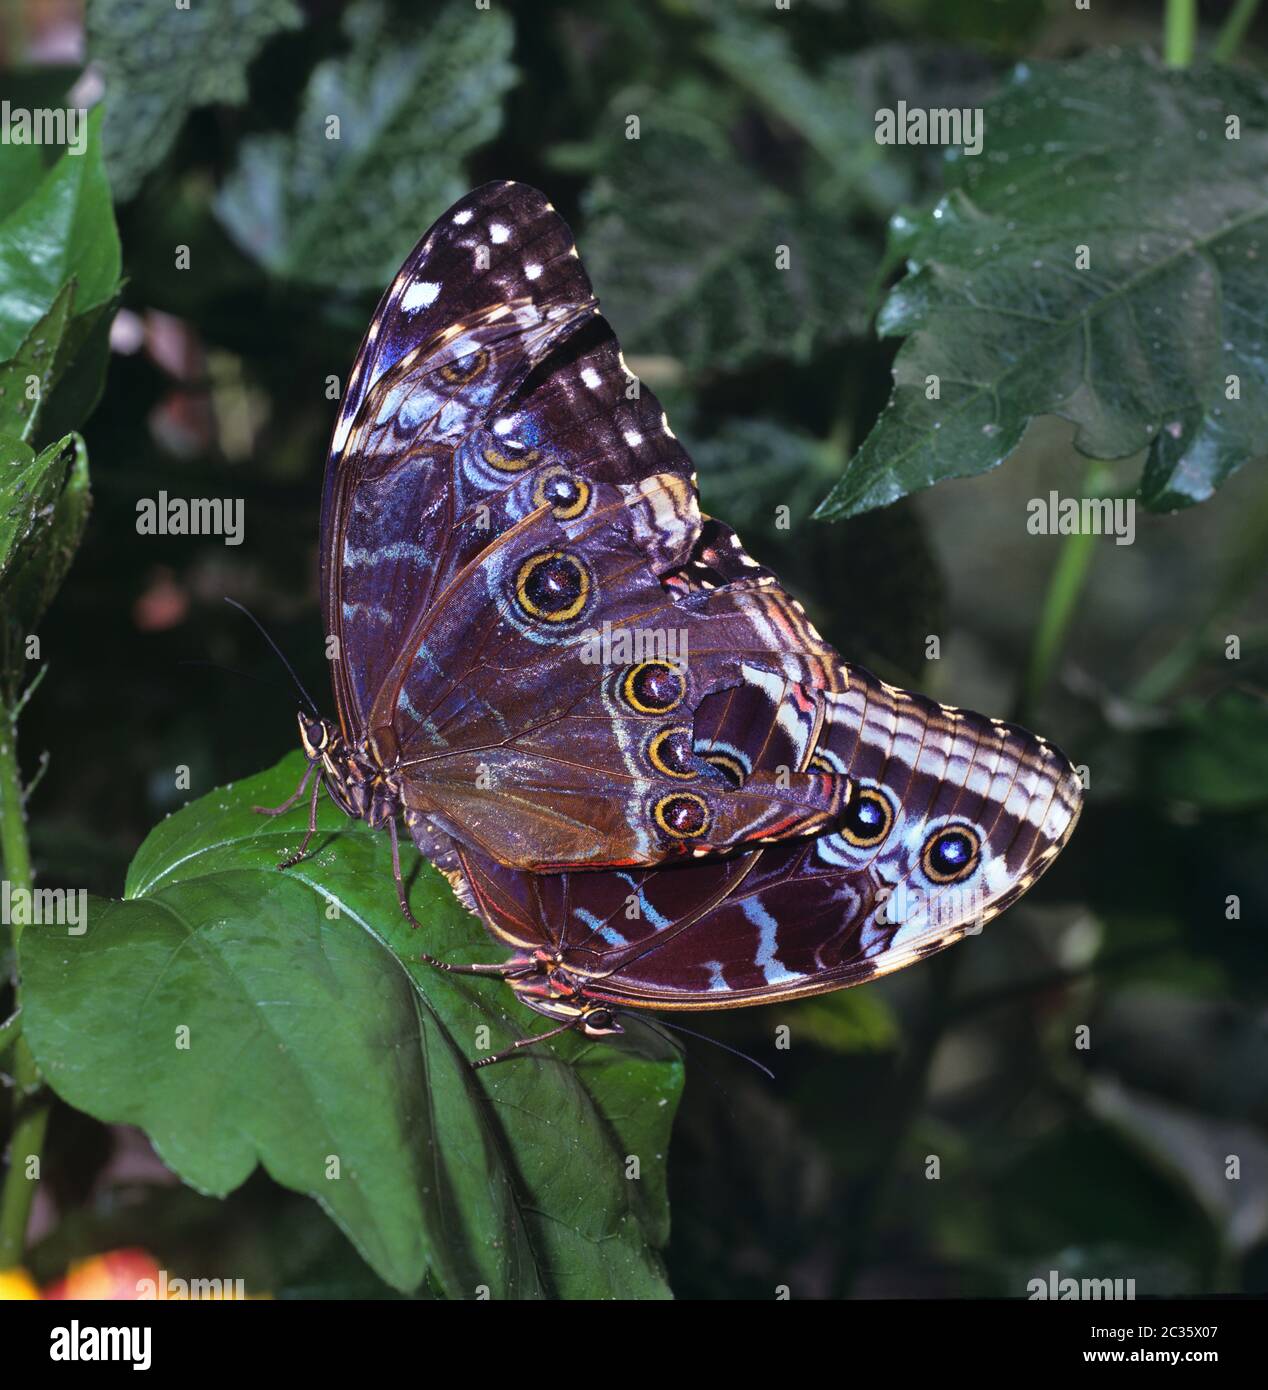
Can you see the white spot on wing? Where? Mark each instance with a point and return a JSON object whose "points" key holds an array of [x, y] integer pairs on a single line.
{"points": [[591, 378], [499, 233], [420, 295]]}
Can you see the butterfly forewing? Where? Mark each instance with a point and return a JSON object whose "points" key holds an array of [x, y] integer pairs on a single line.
{"points": [[502, 497]]}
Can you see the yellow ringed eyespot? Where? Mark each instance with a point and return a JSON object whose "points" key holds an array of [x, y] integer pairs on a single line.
{"points": [[553, 586], [683, 815], [868, 818], [465, 369], [653, 687], [951, 854], [669, 751], [566, 496]]}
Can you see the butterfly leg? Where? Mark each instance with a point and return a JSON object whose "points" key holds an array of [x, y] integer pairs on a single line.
{"points": [[515, 1047], [290, 800], [501, 969], [302, 851]]}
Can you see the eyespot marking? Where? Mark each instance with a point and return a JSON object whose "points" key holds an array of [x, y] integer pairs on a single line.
{"points": [[553, 586], [669, 752], [465, 369], [868, 818], [951, 854], [682, 815], [565, 495], [653, 687]]}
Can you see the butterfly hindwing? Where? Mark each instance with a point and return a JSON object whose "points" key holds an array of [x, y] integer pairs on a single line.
{"points": [[954, 816]]}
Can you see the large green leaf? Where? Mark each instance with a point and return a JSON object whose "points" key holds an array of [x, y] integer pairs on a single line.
{"points": [[161, 61], [315, 1032], [687, 251], [62, 230], [1131, 161], [44, 504], [412, 100]]}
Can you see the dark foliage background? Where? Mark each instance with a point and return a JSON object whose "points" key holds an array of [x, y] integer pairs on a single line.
{"points": [[755, 130]]}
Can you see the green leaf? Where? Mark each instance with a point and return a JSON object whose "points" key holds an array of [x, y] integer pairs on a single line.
{"points": [[853, 1020], [412, 100], [1131, 161], [44, 504], [682, 244], [63, 230], [1216, 756], [824, 108], [26, 380], [160, 62], [314, 1032]]}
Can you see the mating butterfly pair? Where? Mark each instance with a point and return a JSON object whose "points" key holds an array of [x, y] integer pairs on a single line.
{"points": [[746, 820]]}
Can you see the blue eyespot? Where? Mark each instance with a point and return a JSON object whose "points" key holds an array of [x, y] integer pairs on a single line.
{"points": [[867, 817], [951, 854]]}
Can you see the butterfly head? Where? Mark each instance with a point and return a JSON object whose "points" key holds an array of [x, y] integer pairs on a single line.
{"points": [[317, 736], [598, 1021]]}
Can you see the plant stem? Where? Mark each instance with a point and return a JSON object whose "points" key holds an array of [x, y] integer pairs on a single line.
{"points": [[31, 1104], [10, 1031], [1060, 601], [1233, 30], [1181, 29]]}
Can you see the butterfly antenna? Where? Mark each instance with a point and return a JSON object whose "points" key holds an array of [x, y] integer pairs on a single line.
{"points": [[281, 656], [660, 1023]]}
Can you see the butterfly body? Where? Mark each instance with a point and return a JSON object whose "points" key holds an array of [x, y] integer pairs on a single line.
{"points": [[612, 729]]}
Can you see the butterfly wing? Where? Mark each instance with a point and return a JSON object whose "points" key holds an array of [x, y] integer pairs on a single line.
{"points": [[952, 817], [502, 497]]}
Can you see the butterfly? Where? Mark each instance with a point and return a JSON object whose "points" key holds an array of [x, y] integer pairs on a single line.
{"points": [[585, 700]]}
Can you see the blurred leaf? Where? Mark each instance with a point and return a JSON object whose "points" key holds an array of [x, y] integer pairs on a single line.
{"points": [[854, 1020], [1084, 1185], [750, 468], [763, 478], [412, 100], [1198, 1149], [1208, 1055], [315, 1033], [1113, 153], [1216, 756], [825, 108], [62, 230], [160, 62], [44, 503], [681, 243]]}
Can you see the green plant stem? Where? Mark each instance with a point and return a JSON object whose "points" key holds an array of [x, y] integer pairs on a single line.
{"points": [[10, 1031], [1064, 589], [1180, 31], [31, 1104], [1233, 30]]}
